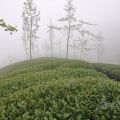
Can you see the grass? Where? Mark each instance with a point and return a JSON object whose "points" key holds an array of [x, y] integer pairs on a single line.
{"points": [[57, 89]]}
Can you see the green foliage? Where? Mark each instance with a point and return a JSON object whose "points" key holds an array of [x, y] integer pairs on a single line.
{"points": [[7, 27], [57, 89]]}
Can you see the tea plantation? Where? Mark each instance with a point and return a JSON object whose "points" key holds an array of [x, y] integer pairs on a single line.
{"points": [[59, 89]]}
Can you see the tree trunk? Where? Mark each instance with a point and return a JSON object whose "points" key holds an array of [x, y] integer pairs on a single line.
{"points": [[99, 53], [51, 44], [68, 39], [31, 40], [81, 52]]}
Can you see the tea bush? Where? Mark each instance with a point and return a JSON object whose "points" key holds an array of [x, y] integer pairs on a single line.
{"points": [[57, 89]]}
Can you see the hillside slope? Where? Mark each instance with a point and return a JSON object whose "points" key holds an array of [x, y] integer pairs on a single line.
{"points": [[57, 89]]}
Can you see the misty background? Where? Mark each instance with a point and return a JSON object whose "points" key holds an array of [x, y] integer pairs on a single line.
{"points": [[104, 13]]}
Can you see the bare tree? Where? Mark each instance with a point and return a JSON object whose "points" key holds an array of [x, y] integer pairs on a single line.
{"points": [[46, 47], [51, 36], [31, 18], [70, 25], [99, 46], [84, 43], [75, 47], [85, 38]]}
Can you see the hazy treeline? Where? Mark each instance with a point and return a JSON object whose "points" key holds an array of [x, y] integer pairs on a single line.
{"points": [[67, 36], [76, 39]]}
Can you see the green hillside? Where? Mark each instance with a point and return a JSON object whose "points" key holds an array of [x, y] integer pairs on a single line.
{"points": [[59, 89]]}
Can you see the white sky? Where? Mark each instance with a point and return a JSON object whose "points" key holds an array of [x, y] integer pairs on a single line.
{"points": [[106, 13]]}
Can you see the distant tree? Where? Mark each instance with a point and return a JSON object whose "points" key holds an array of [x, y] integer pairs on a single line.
{"points": [[70, 25], [51, 29], [7, 27], [85, 38], [84, 43], [99, 46], [74, 46], [46, 47], [59, 43], [31, 18]]}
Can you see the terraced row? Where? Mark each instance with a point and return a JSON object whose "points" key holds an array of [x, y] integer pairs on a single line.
{"points": [[112, 71]]}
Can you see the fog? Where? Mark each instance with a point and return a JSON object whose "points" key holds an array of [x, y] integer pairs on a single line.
{"points": [[104, 13]]}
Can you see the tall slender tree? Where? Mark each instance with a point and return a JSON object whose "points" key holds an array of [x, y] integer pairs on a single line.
{"points": [[31, 18], [51, 36], [70, 20], [99, 45]]}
